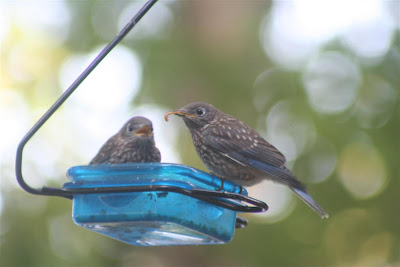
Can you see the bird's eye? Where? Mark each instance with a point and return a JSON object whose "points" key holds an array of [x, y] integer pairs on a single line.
{"points": [[200, 112], [129, 128]]}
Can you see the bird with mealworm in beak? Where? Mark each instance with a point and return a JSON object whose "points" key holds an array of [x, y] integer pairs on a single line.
{"points": [[134, 143], [232, 150]]}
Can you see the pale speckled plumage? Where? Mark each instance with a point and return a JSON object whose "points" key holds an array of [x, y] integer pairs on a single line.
{"points": [[232, 150]]}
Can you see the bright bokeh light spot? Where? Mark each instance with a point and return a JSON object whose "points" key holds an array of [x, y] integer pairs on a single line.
{"points": [[33, 59], [42, 156], [372, 36], [52, 17], [331, 82], [100, 106], [332, 15], [362, 170], [156, 24], [296, 29], [319, 162], [277, 196], [16, 65], [289, 130], [14, 117], [270, 86], [113, 83], [281, 42], [86, 130], [4, 21], [376, 102]]}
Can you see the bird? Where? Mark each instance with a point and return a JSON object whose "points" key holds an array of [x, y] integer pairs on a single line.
{"points": [[134, 143], [234, 151]]}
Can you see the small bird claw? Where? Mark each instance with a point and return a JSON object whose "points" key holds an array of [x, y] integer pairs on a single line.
{"points": [[222, 185]]}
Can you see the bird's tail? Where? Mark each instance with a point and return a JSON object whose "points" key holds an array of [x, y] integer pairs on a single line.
{"points": [[310, 202]]}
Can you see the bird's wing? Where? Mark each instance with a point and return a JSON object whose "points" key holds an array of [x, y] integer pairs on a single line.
{"points": [[104, 154], [248, 148], [244, 141]]}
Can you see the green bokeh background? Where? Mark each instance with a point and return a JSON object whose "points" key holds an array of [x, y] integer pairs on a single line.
{"points": [[212, 52]]}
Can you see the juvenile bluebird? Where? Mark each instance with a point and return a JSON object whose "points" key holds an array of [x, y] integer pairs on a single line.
{"points": [[231, 150], [133, 143]]}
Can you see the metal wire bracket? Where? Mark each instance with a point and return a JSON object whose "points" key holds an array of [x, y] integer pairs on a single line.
{"points": [[18, 162]]}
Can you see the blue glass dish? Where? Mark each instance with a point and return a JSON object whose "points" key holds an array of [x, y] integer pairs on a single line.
{"points": [[151, 218]]}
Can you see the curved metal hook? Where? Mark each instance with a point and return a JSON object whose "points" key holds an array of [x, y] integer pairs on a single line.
{"points": [[65, 95]]}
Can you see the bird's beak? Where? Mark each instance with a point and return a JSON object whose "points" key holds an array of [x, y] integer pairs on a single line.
{"points": [[178, 112], [144, 131]]}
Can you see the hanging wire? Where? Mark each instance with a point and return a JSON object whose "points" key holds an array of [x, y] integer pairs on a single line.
{"points": [[18, 162]]}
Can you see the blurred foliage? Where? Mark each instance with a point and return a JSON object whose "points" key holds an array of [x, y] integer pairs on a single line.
{"points": [[212, 53]]}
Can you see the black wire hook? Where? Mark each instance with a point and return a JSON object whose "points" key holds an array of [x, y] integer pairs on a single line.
{"points": [[64, 96]]}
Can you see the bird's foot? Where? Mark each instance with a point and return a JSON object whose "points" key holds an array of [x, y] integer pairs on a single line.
{"points": [[241, 190], [222, 185]]}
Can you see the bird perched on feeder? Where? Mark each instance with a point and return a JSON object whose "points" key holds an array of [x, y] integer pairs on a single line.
{"points": [[133, 143], [231, 150]]}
